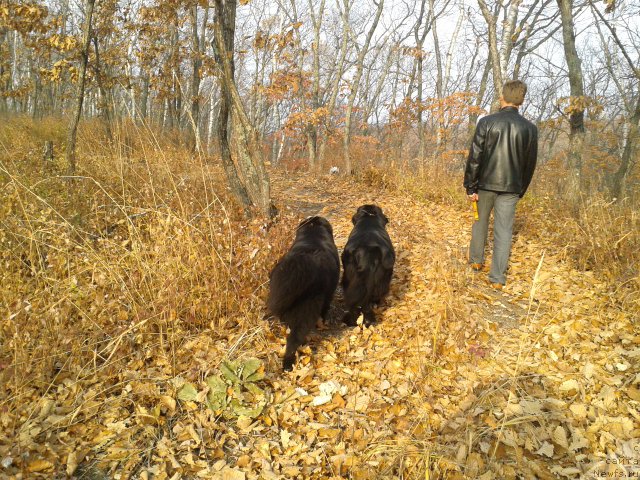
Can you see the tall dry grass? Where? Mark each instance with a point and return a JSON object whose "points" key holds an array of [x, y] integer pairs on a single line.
{"points": [[142, 250], [593, 231]]}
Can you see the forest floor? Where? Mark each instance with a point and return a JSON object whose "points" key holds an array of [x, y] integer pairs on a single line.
{"points": [[456, 380], [539, 380]]}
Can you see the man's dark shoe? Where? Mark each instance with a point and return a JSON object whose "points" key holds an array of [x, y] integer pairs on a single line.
{"points": [[477, 267], [497, 286]]}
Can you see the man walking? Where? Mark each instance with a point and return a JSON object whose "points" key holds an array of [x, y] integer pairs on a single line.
{"points": [[500, 166]]}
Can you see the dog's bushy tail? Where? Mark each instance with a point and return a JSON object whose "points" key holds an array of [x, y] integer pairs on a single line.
{"points": [[291, 279], [302, 316]]}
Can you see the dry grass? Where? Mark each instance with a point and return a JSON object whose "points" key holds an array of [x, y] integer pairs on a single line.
{"points": [[118, 267], [108, 279], [593, 231], [587, 233]]}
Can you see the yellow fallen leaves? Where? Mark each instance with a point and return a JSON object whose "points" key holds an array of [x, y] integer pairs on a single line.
{"points": [[39, 466], [454, 381]]}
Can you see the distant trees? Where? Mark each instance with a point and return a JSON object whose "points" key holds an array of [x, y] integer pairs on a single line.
{"points": [[334, 80]]}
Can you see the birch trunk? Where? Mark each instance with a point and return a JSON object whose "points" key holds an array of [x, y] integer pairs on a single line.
{"points": [[346, 143]]}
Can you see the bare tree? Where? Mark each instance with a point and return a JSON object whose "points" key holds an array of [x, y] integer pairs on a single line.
{"points": [[355, 83], [334, 85], [256, 189], [492, 19], [197, 47], [419, 38], [632, 117], [84, 60], [574, 66]]}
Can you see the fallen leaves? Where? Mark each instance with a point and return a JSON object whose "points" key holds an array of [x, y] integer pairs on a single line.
{"points": [[454, 381]]}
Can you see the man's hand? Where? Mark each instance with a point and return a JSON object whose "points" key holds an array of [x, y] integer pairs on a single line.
{"points": [[473, 197]]}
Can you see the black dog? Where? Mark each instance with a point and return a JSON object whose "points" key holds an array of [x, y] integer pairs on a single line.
{"points": [[367, 260], [303, 282]]}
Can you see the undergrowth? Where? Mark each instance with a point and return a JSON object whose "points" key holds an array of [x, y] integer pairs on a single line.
{"points": [[115, 271], [123, 263], [593, 231]]}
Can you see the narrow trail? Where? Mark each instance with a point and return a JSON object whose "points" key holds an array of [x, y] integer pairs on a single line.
{"points": [[456, 377]]}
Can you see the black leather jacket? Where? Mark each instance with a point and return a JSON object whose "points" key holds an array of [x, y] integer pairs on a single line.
{"points": [[503, 154]]}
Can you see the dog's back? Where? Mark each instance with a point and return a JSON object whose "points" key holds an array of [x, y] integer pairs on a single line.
{"points": [[303, 271], [303, 282], [368, 260], [367, 272]]}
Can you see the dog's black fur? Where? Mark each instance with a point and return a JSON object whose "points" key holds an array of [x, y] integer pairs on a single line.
{"points": [[303, 282], [367, 261]]}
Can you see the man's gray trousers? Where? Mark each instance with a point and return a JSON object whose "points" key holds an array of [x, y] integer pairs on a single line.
{"points": [[504, 211]]}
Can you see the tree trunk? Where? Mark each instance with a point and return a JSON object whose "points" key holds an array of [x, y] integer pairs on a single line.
{"points": [[494, 56], [335, 87], [420, 106], [574, 66], [104, 101], [73, 128], [213, 106], [346, 143], [144, 95], [312, 128], [256, 190], [439, 82], [4, 104], [227, 25], [197, 47], [626, 161], [473, 117]]}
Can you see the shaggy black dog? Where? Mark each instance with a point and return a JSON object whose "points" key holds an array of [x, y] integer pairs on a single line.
{"points": [[303, 282], [367, 260]]}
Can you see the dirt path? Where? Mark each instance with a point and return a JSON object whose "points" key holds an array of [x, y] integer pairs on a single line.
{"points": [[457, 378], [456, 381]]}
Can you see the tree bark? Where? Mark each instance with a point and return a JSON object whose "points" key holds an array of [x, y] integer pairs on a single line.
{"points": [[335, 86], [144, 95], [312, 129], [574, 66], [197, 46], [225, 21], [633, 134], [439, 81], [418, 70], [626, 160], [354, 89], [104, 101], [473, 117], [73, 128], [494, 56], [250, 158]]}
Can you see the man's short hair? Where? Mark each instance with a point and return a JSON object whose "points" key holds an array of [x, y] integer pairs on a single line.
{"points": [[514, 91]]}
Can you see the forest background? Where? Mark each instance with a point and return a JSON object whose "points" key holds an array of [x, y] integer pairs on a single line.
{"points": [[155, 157]]}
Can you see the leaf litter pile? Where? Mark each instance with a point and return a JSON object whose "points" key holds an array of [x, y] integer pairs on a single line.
{"points": [[457, 380]]}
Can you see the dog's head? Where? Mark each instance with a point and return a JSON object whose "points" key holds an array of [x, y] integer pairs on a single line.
{"points": [[315, 223], [370, 211]]}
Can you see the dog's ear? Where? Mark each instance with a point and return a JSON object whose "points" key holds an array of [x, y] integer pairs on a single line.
{"points": [[361, 212], [325, 223], [381, 214]]}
